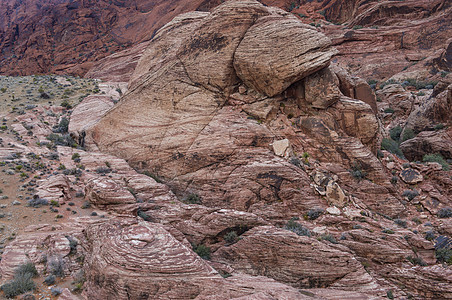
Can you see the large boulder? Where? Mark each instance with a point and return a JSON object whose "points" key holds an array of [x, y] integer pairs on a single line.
{"points": [[259, 53], [428, 142], [185, 129]]}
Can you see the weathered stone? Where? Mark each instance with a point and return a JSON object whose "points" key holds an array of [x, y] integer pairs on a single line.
{"points": [[335, 194], [333, 210], [411, 176], [321, 89], [306, 51], [281, 147]]}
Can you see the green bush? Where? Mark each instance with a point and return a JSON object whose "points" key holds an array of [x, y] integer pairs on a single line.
{"points": [[328, 237], [62, 140], [388, 231], [357, 171], [192, 199], [444, 255], [410, 194], [439, 126], [395, 132], [313, 214], [389, 110], [438, 158], [445, 212], [429, 235], [297, 228], [231, 237], [19, 285], [401, 222], [391, 146], [202, 250], [28, 268], [408, 134], [22, 281]]}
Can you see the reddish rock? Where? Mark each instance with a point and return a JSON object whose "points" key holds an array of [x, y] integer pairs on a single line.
{"points": [[303, 262], [428, 142]]}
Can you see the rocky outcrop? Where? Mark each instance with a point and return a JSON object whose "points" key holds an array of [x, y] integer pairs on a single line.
{"points": [[87, 114], [204, 139], [117, 67], [428, 142], [67, 36], [54, 188], [306, 52], [303, 262], [134, 260]]}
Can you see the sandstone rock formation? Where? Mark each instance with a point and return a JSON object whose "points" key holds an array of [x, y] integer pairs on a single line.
{"points": [[208, 146], [230, 169]]}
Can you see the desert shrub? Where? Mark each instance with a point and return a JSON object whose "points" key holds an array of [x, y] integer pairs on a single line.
{"points": [[408, 134], [86, 205], [55, 266], [297, 228], [37, 202], [429, 235], [50, 280], [79, 281], [295, 161], [391, 146], [28, 268], [62, 140], [72, 244], [389, 110], [395, 132], [394, 179], [419, 84], [144, 216], [54, 203], [62, 127], [380, 154], [416, 261], [313, 214], [202, 250], [305, 156], [445, 212], [153, 176], [444, 255], [103, 170], [75, 156], [357, 171], [438, 126], [19, 285], [328, 237], [438, 158], [192, 198], [66, 104], [231, 237], [22, 281], [388, 231], [401, 223], [73, 171], [416, 220], [410, 194]]}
